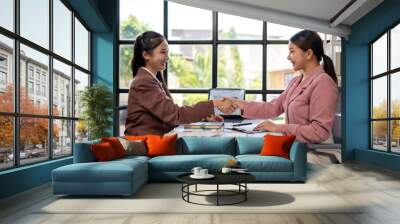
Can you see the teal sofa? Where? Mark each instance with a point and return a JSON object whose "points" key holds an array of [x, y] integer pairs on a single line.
{"points": [[125, 176]]}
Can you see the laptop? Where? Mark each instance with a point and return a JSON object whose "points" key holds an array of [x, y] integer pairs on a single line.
{"points": [[217, 93]]}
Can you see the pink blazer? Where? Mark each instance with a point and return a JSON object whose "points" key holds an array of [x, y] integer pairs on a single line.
{"points": [[309, 107]]}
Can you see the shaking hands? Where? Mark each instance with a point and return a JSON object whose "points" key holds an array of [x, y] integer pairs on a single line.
{"points": [[228, 105]]}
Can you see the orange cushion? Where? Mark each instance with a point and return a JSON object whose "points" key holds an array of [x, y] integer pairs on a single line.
{"points": [[277, 145], [116, 145], [103, 151], [135, 138], [161, 145]]}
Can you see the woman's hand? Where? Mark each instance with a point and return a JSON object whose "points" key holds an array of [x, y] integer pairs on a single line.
{"points": [[215, 118], [267, 125], [235, 102], [224, 105]]}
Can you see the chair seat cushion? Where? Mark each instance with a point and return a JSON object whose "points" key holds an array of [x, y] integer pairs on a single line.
{"points": [[184, 163], [257, 163]]}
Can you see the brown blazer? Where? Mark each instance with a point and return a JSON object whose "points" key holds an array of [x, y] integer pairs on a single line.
{"points": [[151, 109]]}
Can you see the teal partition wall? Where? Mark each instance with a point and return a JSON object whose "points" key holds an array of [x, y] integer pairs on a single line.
{"points": [[356, 85]]}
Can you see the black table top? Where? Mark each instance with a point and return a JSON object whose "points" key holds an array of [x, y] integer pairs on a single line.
{"points": [[220, 178]]}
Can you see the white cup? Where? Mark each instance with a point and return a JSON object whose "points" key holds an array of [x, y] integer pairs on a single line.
{"points": [[196, 170], [203, 172], [226, 170]]}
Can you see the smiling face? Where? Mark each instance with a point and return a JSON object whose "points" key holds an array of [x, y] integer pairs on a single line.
{"points": [[298, 57], [157, 59]]}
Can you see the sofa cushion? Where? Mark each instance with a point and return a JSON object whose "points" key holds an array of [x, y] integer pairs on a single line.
{"points": [[103, 152], [83, 153], [185, 163], [277, 145], [249, 145], [161, 145], [257, 163], [116, 145], [206, 145]]}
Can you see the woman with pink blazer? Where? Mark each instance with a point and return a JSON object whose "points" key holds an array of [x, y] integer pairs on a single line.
{"points": [[309, 101]]}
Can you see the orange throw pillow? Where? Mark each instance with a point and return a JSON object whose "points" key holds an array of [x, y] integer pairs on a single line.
{"points": [[161, 145], [116, 145], [103, 152], [135, 138], [277, 145]]}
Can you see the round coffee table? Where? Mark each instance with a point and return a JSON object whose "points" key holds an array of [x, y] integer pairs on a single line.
{"points": [[238, 179]]}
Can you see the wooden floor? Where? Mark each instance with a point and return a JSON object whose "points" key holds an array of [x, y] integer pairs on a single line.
{"points": [[378, 188]]}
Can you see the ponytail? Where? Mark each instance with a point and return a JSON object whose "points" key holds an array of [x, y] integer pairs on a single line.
{"points": [[329, 67]]}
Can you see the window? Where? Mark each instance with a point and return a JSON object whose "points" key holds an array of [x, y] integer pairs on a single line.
{"points": [[243, 53], [45, 131], [385, 97]]}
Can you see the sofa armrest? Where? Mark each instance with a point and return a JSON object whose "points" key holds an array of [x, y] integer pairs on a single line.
{"points": [[83, 152], [298, 155]]}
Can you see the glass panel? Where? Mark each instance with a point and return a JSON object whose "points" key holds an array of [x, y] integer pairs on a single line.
{"points": [[333, 49], [122, 119], [6, 74], [379, 135], [253, 97], [62, 89], [62, 141], [6, 142], [34, 96], [379, 98], [62, 29], [123, 99], [240, 66], [232, 27], [7, 14], [81, 131], [280, 32], [281, 119], [125, 71], [188, 99], [181, 20], [395, 95], [33, 139], [135, 20], [190, 66], [379, 55], [279, 70], [81, 81], [81, 45], [395, 47], [395, 138], [35, 21]]}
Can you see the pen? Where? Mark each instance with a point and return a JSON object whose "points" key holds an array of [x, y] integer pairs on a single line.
{"points": [[241, 124]]}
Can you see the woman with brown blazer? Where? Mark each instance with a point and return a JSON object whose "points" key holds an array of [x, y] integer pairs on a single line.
{"points": [[151, 109]]}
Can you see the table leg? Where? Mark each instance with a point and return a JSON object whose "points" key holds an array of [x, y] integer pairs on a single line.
{"points": [[217, 194]]}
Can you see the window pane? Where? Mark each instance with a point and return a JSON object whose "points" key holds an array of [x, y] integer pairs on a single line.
{"points": [[137, 16], [81, 81], [190, 66], [395, 47], [254, 97], [81, 45], [395, 95], [122, 119], [34, 96], [125, 72], [6, 142], [333, 49], [81, 131], [123, 99], [395, 138], [62, 89], [181, 20], [62, 141], [281, 118], [35, 21], [6, 74], [187, 99], [280, 32], [279, 70], [62, 29], [379, 135], [379, 98], [7, 14], [379, 56], [33, 139], [232, 27], [240, 66]]}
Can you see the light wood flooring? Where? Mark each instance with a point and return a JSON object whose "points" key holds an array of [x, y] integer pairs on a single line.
{"points": [[379, 189]]}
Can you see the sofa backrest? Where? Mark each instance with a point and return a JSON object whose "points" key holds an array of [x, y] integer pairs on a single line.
{"points": [[83, 153], [206, 145], [249, 145]]}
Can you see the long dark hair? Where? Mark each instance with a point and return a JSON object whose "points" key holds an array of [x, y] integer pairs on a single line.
{"points": [[147, 41], [307, 39]]}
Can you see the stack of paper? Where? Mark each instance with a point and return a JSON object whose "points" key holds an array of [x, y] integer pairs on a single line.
{"points": [[204, 125]]}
